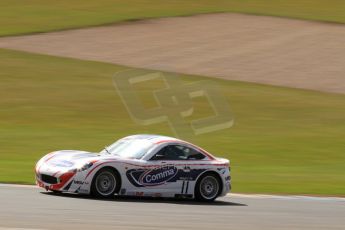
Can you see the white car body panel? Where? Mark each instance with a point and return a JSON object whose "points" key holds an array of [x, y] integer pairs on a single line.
{"points": [[66, 171]]}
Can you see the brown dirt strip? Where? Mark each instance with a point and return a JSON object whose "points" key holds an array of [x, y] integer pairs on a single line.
{"points": [[269, 50]]}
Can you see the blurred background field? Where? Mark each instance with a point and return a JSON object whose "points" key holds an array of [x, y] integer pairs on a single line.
{"points": [[32, 16], [283, 140]]}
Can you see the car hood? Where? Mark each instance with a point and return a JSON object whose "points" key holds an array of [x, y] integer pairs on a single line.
{"points": [[66, 160]]}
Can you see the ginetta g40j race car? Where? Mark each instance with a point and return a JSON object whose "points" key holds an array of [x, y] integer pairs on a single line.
{"points": [[138, 165]]}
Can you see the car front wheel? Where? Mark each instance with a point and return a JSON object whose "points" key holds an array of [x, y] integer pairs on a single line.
{"points": [[105, 183]]}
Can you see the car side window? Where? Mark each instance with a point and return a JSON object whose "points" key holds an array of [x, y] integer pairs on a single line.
{"points": [[178, 152], [193, 154]]}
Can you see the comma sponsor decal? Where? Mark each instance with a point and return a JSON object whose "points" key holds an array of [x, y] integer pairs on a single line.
{"points": [[158, 176], [152, 177]]}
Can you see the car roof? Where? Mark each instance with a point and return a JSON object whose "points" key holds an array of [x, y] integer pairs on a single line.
{"points": [[151, 138], [159, 139]]}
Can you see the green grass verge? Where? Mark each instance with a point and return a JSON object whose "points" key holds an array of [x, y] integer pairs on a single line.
{"points": [[32, 16], [283, 141]]}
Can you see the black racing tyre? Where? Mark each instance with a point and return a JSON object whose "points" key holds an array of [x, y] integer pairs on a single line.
{"points": [[208, 187], [105, 183]]}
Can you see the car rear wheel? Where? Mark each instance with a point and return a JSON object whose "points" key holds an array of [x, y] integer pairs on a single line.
{"points": [[105, 183], [207, 188]]}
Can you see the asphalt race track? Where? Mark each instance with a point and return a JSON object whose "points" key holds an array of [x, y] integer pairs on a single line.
{"points": [[27, 207]]}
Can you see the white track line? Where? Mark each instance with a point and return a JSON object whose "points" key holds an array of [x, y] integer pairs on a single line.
{"points": [[286, 197], [18, 186], [3, 228], [234, 195]]}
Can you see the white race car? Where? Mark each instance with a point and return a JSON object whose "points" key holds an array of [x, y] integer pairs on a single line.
{"points": [[138, 165]]}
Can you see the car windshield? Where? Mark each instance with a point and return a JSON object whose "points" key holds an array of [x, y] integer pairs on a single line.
{"points": [[130, 148]]}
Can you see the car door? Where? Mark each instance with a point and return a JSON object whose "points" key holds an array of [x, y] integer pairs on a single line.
{"points": [[167, 171], [190, 162], [182, 159]]}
